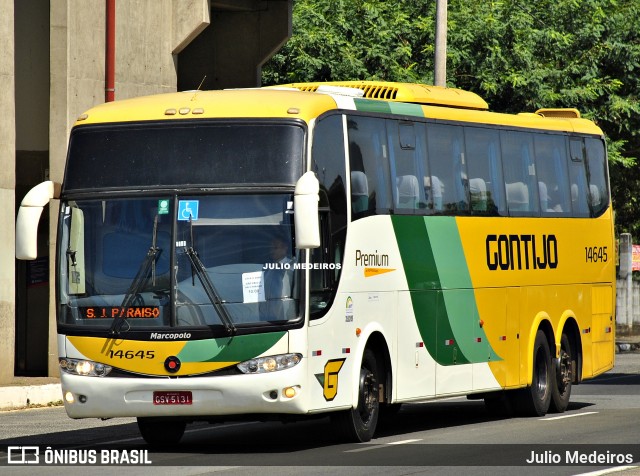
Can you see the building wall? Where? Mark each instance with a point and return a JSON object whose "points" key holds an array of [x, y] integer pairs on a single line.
{"points": [[144, 65], [7, 187], [150, 34]]}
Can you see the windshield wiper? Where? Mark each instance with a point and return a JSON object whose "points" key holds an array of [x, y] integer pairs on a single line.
{"points": [[148, 265], [207, 285]]}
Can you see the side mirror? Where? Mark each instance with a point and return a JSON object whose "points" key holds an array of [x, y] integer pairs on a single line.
{"points": [[305, 212], [28, 217]]}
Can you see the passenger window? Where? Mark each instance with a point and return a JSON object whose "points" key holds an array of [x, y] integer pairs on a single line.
{"points": [[409, 195], [369, 162], [597, 176], [486, 185], [448, 180], [521, 188], [578, 179], [551, 170]]}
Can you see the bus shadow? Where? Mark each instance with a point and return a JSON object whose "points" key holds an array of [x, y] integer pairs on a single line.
{"points": [[614, 378], [94, 437], [442, 415], [263, 438], [266, 438]]}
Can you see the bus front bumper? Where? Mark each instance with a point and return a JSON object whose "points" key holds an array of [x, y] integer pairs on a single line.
{"points": [[104, 397]]}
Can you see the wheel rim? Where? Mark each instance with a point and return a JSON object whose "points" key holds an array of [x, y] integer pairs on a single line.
{"points": [[563, 375], [368, 396]]}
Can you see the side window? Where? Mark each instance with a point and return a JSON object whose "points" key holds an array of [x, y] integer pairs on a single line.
{"points": [[448, 179], [486, 185], [406, 169], [597, 176], [328, 159], [578, 179], [521, 188], [551, 171], [430, 188], [369, 163]]}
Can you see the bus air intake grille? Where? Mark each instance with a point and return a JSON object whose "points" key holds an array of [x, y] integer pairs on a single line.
{"points": [[371, 91]]}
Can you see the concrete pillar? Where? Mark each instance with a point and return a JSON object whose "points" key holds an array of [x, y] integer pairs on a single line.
{"points": [[190, 18], [7, 190], [230, 52]]}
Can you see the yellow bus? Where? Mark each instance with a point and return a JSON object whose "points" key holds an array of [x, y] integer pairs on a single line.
{"points": [[329, 249]]}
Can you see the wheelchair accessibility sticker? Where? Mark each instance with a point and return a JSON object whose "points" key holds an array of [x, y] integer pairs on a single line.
{"points": [[188, 209]]}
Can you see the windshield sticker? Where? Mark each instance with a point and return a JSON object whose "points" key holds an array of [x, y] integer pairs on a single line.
{"points": [[163, 206], [188, 209], [253, 287]]}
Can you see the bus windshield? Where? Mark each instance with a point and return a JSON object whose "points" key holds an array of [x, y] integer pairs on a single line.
{"points": [[232, 256]]}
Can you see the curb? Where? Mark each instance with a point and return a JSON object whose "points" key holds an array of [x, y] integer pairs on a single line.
{"points": [[24, 396]]}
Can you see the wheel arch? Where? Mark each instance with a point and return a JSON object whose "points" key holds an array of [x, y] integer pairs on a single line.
{"points": [[541, 323], [377, 343]]}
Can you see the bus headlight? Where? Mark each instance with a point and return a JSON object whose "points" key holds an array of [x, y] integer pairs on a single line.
{"points": [[272, 363], [84, 367]]}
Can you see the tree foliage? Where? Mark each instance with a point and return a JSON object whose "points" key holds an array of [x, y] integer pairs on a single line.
{"points": [[518, 55]]}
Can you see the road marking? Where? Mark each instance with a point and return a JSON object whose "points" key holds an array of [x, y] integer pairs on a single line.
{"points": [[567, 416], [602, 472], [404, 442], [367, 447]]}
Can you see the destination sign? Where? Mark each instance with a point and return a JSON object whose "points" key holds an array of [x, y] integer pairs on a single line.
{"points": [[111, 312]]}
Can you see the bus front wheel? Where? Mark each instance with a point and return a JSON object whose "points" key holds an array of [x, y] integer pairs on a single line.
{"points": [[161, 432], [359, 424], [535, 400]]}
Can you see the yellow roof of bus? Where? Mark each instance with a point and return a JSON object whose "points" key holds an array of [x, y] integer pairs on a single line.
{"points": [[298, 101]]}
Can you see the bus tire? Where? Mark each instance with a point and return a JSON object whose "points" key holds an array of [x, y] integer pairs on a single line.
{"points": [[359, 424], [161, 432], [535, 400], [562, 377]]}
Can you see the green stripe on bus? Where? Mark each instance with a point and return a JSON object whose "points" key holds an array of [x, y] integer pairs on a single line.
{"points": [[422, 276], [441, 291], [229, 349], [448, 254], [369, 105], [459, 297], [406, 109], [384, 107]]}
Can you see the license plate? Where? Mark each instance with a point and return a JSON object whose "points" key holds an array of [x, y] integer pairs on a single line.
{"points": [[172, 398]]}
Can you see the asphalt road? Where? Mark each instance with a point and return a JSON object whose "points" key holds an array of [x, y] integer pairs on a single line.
{"points": [[454, 436]]}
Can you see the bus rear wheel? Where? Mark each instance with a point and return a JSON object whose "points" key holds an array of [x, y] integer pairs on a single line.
{"points": [[359, 424], [562, 377], [535, 400], [161, 432]]}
